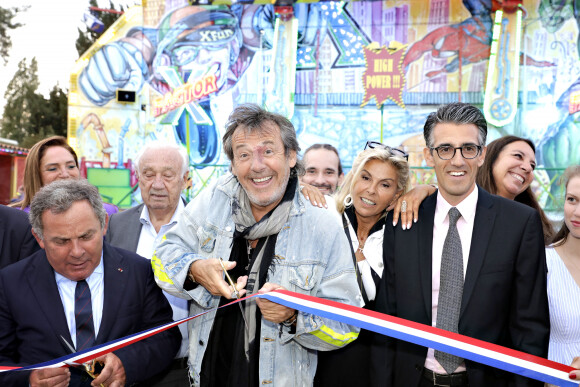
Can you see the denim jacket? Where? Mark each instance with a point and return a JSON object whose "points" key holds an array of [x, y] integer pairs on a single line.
{"points": [[313, 257]]}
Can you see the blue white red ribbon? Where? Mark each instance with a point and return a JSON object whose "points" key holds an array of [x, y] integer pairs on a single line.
{"points": [[466, 347]]}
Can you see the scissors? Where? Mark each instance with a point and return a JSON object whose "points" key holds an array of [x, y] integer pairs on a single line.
{"points": [[235, 292], [93, 368]]}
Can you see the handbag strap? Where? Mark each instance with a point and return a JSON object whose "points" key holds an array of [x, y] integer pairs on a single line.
{"points": [[358, 275]]}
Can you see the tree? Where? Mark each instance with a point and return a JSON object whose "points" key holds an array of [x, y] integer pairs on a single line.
{"points": [[56, 115], [6, 23], [28, 115], [87, 37], [20, 97]]}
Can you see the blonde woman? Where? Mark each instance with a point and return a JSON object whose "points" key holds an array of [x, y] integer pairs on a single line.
{"points": [[378, 176]]}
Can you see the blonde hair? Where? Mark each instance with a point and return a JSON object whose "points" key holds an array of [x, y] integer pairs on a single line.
{"points": [[399, 163], [32, 178]]}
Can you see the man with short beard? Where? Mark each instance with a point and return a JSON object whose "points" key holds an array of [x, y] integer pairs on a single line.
{"points": [[269, 238], [323, 168]]}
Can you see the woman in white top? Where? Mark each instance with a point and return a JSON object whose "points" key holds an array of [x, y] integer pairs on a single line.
{"points": [[563, 259], [378, 176]]}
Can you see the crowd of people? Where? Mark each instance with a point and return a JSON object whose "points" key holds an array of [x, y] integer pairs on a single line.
{"points": [[473, 254]]}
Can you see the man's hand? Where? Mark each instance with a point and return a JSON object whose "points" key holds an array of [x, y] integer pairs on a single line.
{"points": [[270, 310], [113, 373], [575, 375], [210, 274], [53, 377]]}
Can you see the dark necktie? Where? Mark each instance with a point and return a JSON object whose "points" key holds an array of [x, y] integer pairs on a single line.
{"points": [[450, 289], [84, 316]]}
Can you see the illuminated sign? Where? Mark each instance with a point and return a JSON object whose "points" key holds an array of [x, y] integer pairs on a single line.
{"points": [[383, 78], [184, 94], [574, 104]]}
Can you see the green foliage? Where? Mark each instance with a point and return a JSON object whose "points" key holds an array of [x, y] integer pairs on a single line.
{"points": [[87, 37], [28, 115], [6, 23]]}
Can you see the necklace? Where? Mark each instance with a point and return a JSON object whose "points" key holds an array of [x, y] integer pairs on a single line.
{"points": [[249, 247], [361, 246]]}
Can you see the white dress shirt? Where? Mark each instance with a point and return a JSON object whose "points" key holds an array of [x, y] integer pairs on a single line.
{"points": [[66, 289], [440, 228], [372, 250], [148, 241], [373, 253]]}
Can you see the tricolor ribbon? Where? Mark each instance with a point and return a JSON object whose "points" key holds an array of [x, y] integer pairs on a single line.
{"points": [[466, 347]]}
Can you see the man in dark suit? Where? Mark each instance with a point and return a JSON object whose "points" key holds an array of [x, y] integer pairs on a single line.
{"points": [[474, 264], [83, 290], [16, 240], [162, 170]]}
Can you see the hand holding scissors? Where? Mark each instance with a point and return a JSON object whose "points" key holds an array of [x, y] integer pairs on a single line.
{"points": [[92, 367], [209, 274], [235, 293]]}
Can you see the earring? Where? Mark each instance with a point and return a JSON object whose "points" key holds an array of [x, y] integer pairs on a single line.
{"points": [[347, 201]]}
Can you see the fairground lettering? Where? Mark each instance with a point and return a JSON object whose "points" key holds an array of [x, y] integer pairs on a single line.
{"points": [[188, 92]]}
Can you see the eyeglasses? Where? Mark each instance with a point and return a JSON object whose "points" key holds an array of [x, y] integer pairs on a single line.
{"points": [[447, 152], [394, 151]]}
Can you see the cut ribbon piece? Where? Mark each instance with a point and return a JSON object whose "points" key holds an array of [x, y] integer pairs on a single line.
{"points": [[459, 345]]}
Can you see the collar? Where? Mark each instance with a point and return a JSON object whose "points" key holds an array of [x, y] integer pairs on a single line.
{"points": [[145, 219], [466, 207], [99, 270], [351, 215]]}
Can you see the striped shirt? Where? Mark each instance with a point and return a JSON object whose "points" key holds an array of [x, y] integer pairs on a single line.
{"points": [[564, 301]]}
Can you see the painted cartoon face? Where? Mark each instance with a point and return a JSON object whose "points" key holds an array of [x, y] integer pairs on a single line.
{"points": [[262, 166], [57, 163], [198, 61], [198, 42], [513, 171]]}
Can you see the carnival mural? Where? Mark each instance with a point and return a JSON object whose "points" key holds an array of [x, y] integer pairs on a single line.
{"points": [[344, 72]]}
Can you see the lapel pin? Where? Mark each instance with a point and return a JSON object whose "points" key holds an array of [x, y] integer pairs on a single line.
{"points": [[120, 270]]}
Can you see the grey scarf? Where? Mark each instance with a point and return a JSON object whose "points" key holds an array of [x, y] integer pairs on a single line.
{"points": [[247, 227]]}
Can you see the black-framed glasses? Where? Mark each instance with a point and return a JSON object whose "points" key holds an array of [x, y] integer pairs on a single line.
{"points": [[394, 151], [447, 152]]}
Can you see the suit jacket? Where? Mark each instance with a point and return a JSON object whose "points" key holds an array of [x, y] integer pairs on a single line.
{"points": [[125, 228], [16, 239], [504, 294], [32, 315]]}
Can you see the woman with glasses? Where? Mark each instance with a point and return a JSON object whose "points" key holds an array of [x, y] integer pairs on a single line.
{"points": [[49, 160], [378, 176], [508, 171]]}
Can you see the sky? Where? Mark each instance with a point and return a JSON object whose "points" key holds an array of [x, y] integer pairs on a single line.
{"points": [[49, 34]]}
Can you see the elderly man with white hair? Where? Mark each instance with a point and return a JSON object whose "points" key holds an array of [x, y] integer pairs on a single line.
{"points": [[162, 170]]}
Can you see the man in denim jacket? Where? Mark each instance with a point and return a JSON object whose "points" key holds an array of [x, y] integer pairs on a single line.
{"points": [[256, 221]]}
